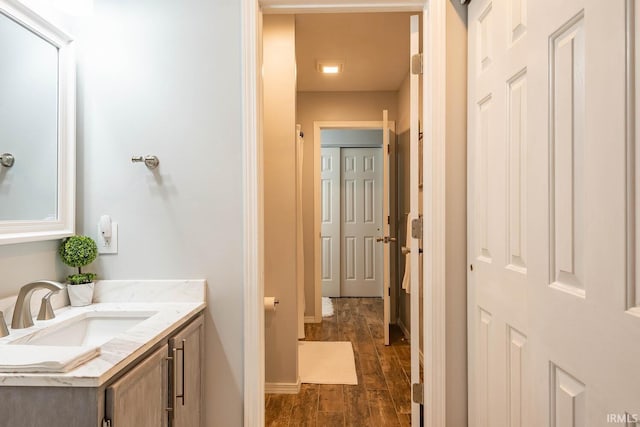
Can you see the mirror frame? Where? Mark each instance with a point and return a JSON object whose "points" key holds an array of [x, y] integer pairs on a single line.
{"points": [[17, 231]]}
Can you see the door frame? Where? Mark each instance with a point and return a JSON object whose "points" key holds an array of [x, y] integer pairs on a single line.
{"points": [[317, 203], [434, 115]]}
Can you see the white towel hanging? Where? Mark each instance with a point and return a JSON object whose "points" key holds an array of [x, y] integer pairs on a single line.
{"points": [[406, 280]]}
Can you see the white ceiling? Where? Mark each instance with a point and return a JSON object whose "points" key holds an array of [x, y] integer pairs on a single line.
{"points": [[374, 48]]}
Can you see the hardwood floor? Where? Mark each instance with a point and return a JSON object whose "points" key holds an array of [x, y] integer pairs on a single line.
{"points": [[382, 396]]}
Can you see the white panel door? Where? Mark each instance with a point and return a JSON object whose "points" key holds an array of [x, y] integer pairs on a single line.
{"points": [[330, 220], [299, 231], [554, 327], [361, 188], [386, 238], [414, 200]]}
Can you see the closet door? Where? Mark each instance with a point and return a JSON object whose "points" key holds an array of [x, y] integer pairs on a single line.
{"points": [[361, 188], [330, 220]]}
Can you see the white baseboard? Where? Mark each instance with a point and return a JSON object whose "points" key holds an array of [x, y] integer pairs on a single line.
{"points": [[282, 388], [312, 319], [404, 329]]}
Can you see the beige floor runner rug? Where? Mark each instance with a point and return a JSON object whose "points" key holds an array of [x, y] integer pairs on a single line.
{"points": [[327, 362]]}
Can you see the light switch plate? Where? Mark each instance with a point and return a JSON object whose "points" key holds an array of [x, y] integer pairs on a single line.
{"points": [[108, 246]]}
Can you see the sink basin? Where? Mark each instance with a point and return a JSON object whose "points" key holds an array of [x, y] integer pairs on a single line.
{"points": [[88, 329]]}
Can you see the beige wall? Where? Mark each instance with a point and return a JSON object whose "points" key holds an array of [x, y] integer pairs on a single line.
{"points": [[456, 214], [330, 106], [281, 351]]}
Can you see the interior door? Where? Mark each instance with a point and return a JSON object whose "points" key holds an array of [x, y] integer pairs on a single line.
{"points": [[330, 220], [386, 238], [414, 201], [361, 196], [554, 330], [299, 231]]}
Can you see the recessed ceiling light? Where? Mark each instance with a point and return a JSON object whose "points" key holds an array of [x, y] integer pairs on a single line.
{"points": [[330, 67]]}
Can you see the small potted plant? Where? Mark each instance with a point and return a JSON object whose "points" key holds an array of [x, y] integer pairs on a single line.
{"points": [[77, 252]]}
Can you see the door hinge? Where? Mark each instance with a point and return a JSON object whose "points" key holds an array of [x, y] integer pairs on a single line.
{"points": [[388, 148], [418, 393], [389, 291], [416, 63], [389, 219], [106, 422], [416, 228]]}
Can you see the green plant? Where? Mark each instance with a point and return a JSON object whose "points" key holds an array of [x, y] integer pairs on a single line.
{"points": [[79, 251]]}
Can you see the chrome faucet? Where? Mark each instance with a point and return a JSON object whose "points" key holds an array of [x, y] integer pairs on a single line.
{"points": [[4, 331], [22, 317]]}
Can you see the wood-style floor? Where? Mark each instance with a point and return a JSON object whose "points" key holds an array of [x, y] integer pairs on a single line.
{"points": [[382, 396]]}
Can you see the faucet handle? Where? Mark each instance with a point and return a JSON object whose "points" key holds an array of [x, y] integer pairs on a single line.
{"points": [[4, 331], [46, 311]]}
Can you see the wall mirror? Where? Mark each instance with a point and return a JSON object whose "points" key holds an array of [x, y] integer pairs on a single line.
{"points": [[37, 127]]}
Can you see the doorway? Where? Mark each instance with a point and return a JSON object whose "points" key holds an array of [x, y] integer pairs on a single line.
{"points": [[365, 106], [351, 220], [436, 39]]}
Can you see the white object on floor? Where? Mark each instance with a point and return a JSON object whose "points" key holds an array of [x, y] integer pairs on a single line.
{"points": [[406, 280], [29, 358], [327, 307], [327, 362]]}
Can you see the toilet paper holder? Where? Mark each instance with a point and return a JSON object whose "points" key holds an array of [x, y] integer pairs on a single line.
{"points": [[270, 304]]}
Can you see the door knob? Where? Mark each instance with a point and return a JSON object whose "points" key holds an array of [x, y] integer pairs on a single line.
{"points": [[385, 239]]}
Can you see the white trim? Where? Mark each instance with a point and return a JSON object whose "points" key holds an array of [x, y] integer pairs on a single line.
{"points": [[434, 210], [253, 343], [282, 388], [64, 225], [404, 329], [414, 200], [294, 7]]}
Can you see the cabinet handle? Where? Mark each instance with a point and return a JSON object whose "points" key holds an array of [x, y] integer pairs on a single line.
{"points": [[174, 371], [181, 395]]}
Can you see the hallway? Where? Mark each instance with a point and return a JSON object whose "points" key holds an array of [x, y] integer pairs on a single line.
{"points": [[382, 396]]}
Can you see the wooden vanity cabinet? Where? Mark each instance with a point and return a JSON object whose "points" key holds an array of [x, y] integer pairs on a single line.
{"points": [[163, 390], [147, 393], [187, 352], [139, 398]]}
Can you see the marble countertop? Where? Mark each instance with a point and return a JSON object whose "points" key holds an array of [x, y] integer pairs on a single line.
{"points": [[173, 302]]}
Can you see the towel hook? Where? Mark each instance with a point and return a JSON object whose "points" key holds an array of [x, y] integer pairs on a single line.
{"points": [[7, 160], [152, 162]]}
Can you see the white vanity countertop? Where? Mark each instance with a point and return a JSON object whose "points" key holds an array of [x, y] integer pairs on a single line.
{"points": [[174, 301]]}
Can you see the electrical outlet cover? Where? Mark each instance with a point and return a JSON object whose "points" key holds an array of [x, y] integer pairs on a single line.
{"points": [[108, 246]]}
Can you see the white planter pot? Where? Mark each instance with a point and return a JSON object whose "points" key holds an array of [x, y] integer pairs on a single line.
{"points": [[81, 295]]}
